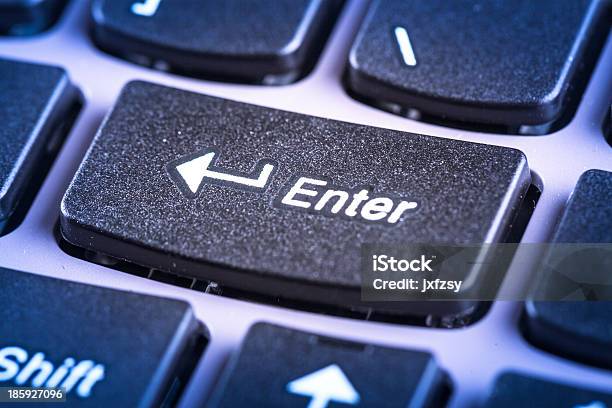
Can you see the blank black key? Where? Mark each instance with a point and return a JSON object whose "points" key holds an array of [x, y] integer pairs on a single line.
{"points": [[513, 390], [35, 102], [579, 329], [103, 347], [499, 62], [280, 367], [25, 17], [277, 203], [588, 215], [243, 40]]}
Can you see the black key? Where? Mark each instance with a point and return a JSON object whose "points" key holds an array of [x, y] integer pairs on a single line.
{"points": [[36, 103], [215, 190], [513, 390], [579, 329], [279, 367], [103, 347], [499, 62], [588, 215], [243, 40], [25, 17]]}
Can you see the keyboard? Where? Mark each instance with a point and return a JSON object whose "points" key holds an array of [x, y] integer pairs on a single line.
{"points": [[190, 191]]}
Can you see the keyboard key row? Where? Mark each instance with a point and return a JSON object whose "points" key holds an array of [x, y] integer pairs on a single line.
{"points": [[277, 203], [518, 66], [89, 341], [304, 192]]}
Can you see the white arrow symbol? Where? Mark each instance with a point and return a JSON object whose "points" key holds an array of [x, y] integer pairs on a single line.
{"points": [[194, 171], [325, 385], [405, 46], [146, 8]]}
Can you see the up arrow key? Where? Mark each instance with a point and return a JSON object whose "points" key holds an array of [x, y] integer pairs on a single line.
{"points": [[325, 385]]}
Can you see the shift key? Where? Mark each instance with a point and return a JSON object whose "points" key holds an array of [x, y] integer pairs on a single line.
{"points": [[99, 347]]}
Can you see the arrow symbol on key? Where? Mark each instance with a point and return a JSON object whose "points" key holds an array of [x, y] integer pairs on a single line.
{"points": [[146, 8], [198, 169], [324, 386]]}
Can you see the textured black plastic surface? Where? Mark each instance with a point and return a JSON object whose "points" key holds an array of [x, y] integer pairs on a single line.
{"points": [[513, 390], [580, 330], [23, 17], [588, 216], [34, 100], [234, 39], [272, 356], [124, 201], [498, 62], [138, 339]]}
